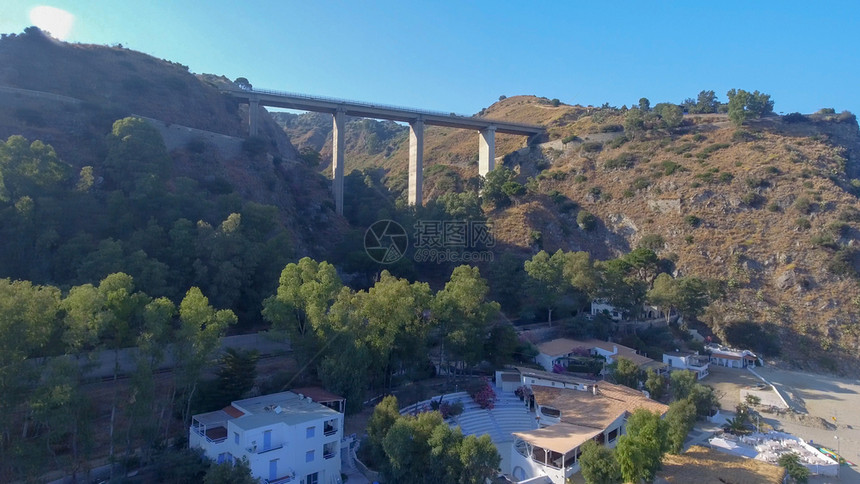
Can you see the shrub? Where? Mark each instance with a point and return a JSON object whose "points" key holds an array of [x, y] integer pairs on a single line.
{"points": [[627, 193], [752, 199], [846, 117], [570, 138], [698, 137], [795, 118], [823, 240], [622, 161], [725, 177], [485, 397], [641, 183], [586, 220], [670, 167], [611, 128], [803, 205], [580, 178], [555, 102], [742, 135], [592, 146], [617, 142], [773, 207], [843, 262], [692, 221], [826, 111], [802, 223], [653, 242]]}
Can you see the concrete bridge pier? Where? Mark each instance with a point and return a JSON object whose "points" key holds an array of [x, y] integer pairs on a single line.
{"points": [[337, 159], [487, 150], [416, 161], [253, 116]]}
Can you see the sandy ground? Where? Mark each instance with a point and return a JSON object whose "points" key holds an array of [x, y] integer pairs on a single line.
{"points": [[818, 398]]}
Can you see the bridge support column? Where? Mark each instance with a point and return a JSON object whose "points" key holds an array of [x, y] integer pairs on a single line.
{"points": [[253, 116], [416, 161], [487, 151], [337, 150]]}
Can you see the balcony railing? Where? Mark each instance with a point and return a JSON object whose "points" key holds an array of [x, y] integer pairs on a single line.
{"points": [[329, 430], [329, 454], [263, 450], [201, 433]]}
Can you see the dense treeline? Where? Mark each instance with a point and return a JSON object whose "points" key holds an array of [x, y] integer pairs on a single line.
{"points": [[50, 340], [126, 213], [359, 340]]}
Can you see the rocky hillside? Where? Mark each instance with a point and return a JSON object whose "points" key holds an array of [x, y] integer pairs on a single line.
{"points": [[770, 208]]}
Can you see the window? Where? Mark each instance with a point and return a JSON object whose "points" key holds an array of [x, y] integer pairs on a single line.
{"points": [[236, 438], [310, 432], [313, 478], [612, 435], [309, 456]]}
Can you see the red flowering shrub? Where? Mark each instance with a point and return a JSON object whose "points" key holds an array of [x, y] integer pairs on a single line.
{"points": [[485, 397]]}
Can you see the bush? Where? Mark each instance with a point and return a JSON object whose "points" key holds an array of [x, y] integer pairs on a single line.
{"points": [[692, 221], [622, 161], [844, 262], [803, 205], [611, 128], [580, 178], [555, 102], [726, 177], [802, 223], [670, 167], [641, 183], [592, 146], [795, 118], [586, 220], [570, 138], [742, 135], [752, 199], [699, 137], [773, 207], [617, 142], [485, 397]]}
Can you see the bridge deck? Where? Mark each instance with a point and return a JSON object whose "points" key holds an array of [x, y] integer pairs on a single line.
{"points": [[319, 104]]}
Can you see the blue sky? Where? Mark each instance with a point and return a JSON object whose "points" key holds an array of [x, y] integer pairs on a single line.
{"points": [[461, 55]]}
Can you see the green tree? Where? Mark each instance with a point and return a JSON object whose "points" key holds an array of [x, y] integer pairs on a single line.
{"points": [[626, 372], [644, 104], [464, 314], [598, 464], [671, 115], [237, 373], [493, 190], [706, 103], [634, 122], [745, 105], [682, 383], [796, 470], [705, 399], [655, 384], [199, 334], [306, 291], [480, 459], [640, 451], [29, 169], [136, 153], [679, 422], [384, 415], [548, 284], [238, 472]]}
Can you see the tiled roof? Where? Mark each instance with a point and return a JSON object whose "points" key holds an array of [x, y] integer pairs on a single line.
{"points": [[595, 411]]}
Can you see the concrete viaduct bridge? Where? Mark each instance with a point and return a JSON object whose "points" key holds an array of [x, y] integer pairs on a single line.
{"points": [[417, 119]]}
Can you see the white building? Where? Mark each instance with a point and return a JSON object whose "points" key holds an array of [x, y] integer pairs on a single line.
{"points": [[684, 360], [286, 437], [568, 419], [730, 357], [560, 350]]}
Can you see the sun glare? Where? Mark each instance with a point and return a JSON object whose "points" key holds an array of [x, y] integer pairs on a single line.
{"points": [[56, 21]]}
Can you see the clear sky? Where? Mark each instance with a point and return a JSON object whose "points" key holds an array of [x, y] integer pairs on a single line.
{"points": [[459, 56]]}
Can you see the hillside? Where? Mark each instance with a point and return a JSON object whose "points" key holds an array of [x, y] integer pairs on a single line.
{"points": [[110, 195], [770, 209]]}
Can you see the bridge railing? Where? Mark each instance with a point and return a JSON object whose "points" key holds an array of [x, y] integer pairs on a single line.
{"points": [[246, 92]]}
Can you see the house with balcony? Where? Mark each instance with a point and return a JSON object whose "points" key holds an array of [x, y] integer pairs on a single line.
{"points": [[287, 437], [568, 418], [685, 360], [559, 351], [730, 357]]}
